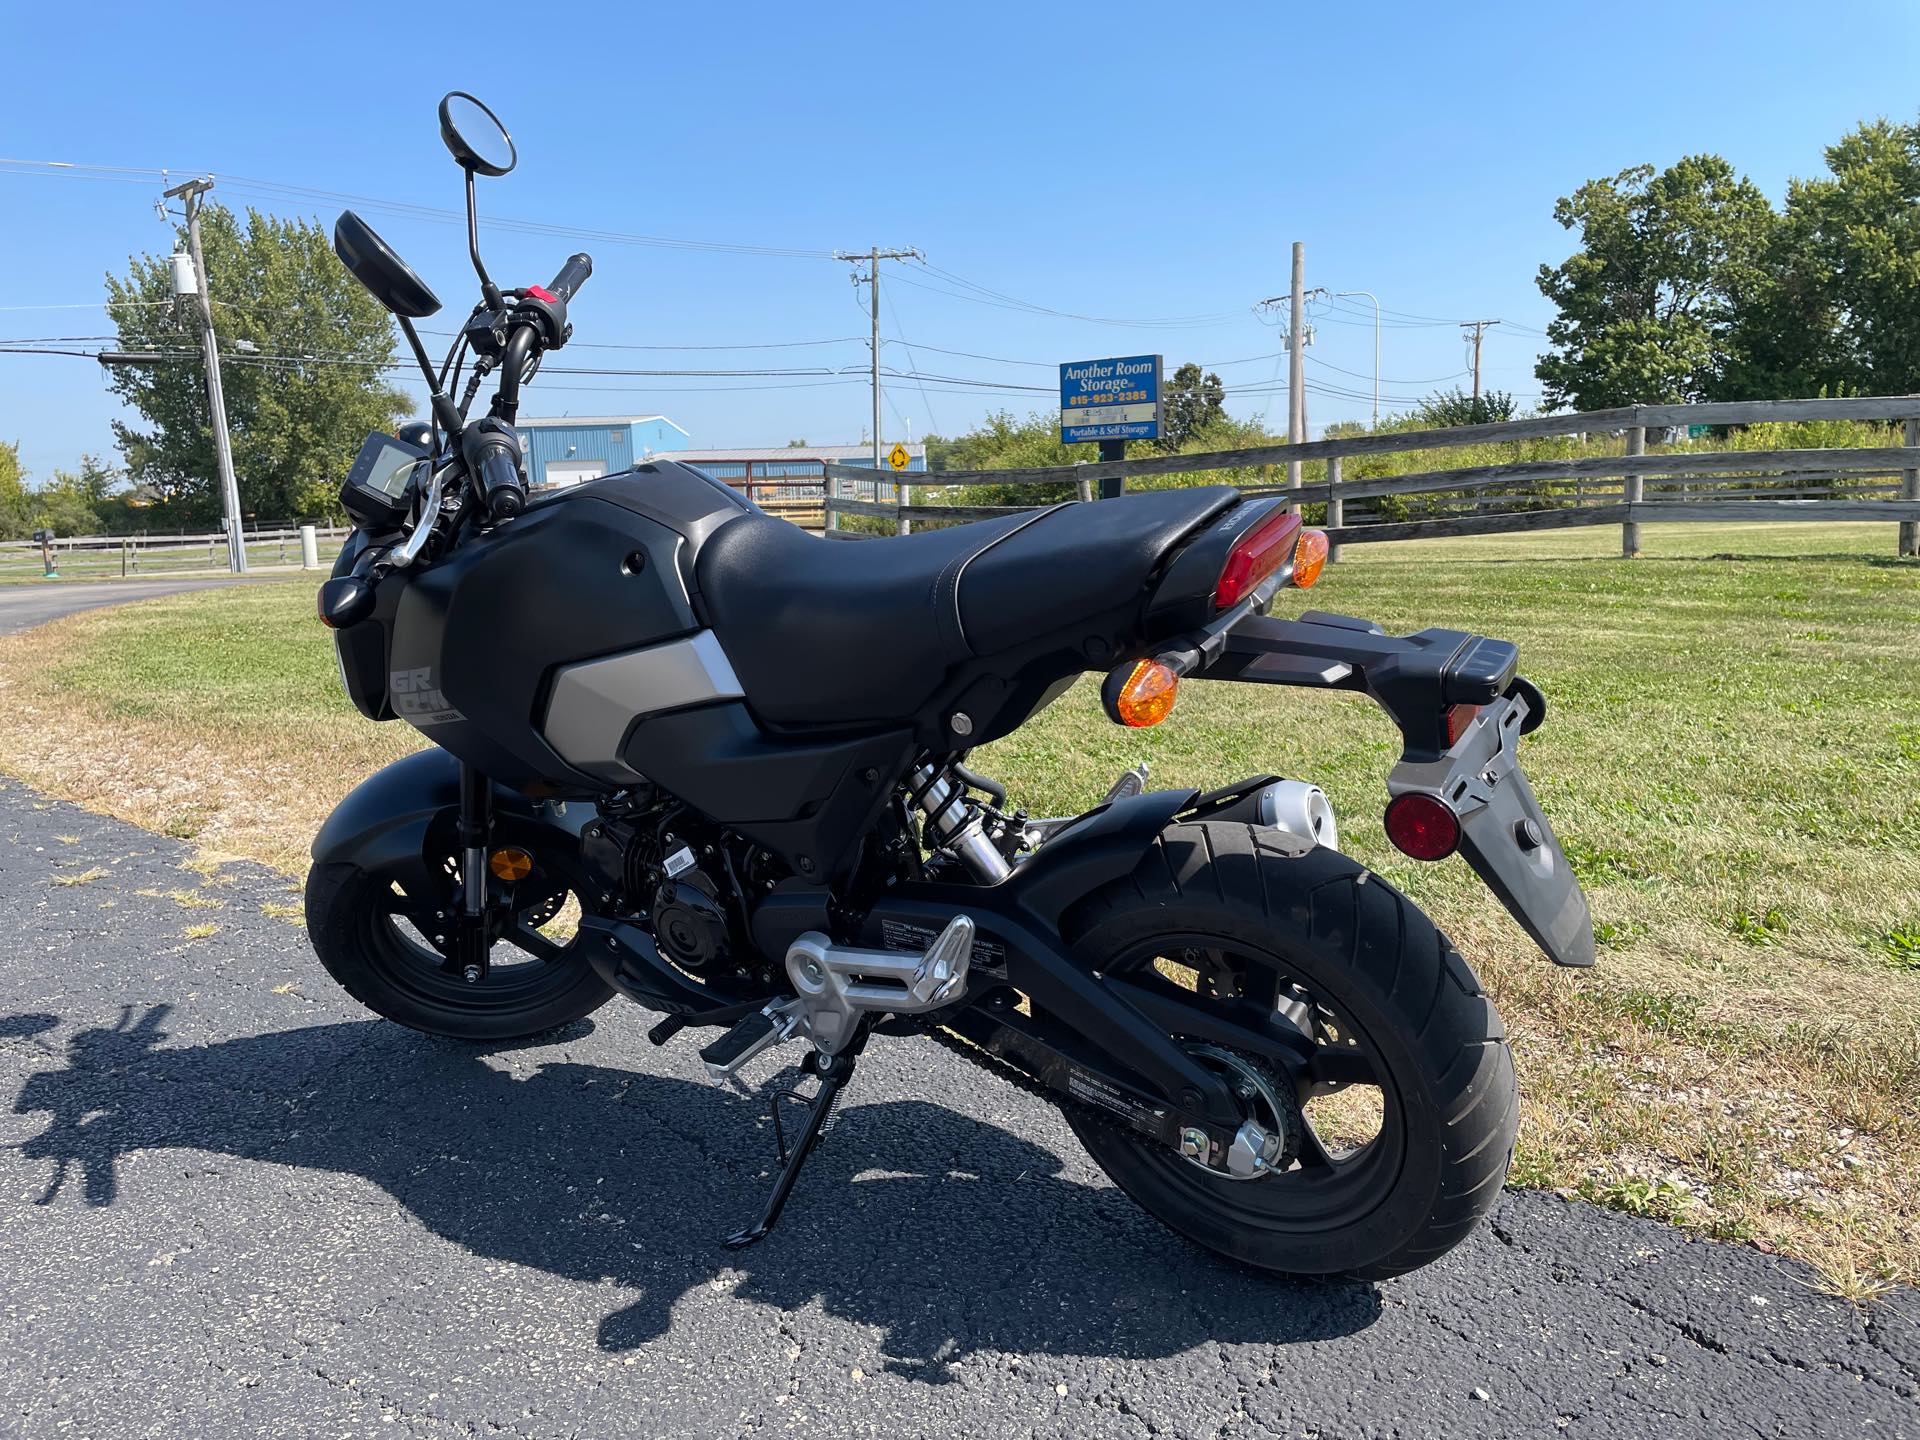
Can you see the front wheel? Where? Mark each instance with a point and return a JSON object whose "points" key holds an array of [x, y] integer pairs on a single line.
{"points": [[389, 951], [1389, 1088]]}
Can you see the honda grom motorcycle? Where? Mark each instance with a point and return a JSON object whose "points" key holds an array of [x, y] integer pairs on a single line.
{"points": [[685, 752]]}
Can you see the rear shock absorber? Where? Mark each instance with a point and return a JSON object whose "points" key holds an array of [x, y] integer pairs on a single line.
{"points": [[953, 823]]}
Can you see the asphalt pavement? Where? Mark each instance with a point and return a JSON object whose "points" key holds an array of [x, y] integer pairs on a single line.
{"points": [[233, 1203], [24, 606]]}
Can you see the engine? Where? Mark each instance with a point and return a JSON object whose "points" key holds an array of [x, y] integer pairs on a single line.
{"points": [[690, 882]]}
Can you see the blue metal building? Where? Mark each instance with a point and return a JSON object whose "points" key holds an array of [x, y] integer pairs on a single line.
{"points": [[572, 448]]}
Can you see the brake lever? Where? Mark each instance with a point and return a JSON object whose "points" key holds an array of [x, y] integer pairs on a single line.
{"points": [[409, 549]]}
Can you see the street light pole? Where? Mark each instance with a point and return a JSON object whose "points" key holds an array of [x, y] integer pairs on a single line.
{"points": [[190, 194], [1376, 349]]}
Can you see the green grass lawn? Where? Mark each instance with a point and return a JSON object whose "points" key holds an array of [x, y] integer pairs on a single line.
{"points": [[1732, 760]]}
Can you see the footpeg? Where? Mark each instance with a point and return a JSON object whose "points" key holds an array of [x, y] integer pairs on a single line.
{"points": [[753, 1035], [1131, 783], [837, 984]]}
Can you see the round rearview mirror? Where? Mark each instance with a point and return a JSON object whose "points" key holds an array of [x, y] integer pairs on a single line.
{"points": [[474, 135]]}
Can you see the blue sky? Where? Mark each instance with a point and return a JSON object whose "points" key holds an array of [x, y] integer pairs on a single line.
{"points": [[1122, 161]]}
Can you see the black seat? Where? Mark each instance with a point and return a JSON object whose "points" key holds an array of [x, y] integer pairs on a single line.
{"points": [[843, 632]]}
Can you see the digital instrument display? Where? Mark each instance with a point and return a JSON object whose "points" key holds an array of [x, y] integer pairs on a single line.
{"points": [[377, 494]]}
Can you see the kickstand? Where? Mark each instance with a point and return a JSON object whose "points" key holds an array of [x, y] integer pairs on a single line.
{"points": [[834, 1073]]}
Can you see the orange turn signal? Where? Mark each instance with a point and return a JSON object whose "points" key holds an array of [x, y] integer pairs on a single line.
{"points": [[1146, 697], [510, 864], [1309, 557]]}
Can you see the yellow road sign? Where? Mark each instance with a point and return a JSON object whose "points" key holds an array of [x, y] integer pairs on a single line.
{"points": [[898, 457]]}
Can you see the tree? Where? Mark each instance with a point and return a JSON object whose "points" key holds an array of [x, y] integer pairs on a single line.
{"points": [[1649, 303], [299, 403], [1446, 408], [1854, 264], [77, 502], [15, 504], [1192, 401]]}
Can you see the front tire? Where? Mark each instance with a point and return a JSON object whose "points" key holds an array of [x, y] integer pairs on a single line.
{"points": [[1231, 913], [361, 931]]}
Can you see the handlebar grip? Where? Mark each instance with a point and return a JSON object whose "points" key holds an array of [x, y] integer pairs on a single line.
{"points": [[572, 276], [500, 481]]}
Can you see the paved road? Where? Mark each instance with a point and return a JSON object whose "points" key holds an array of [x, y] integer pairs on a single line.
{"points": [[232, 1203], [24, 606]]}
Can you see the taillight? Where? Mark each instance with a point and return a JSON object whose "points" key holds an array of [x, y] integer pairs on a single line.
{"points": [[1255, 556], [1422, 826], [1459, 717]]}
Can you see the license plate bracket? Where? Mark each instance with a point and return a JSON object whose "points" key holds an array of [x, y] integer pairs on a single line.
{"points": [[1504, 835]]}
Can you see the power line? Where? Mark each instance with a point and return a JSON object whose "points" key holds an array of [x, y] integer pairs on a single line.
{"points": [[1386, 379], [913, 360], [279, 190], [1023, 307]]}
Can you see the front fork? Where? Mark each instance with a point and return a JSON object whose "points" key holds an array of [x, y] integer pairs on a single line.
{"points": [[472, 942]]}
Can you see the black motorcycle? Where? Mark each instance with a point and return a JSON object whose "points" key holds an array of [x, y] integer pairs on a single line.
{"points": [[688, 753]]}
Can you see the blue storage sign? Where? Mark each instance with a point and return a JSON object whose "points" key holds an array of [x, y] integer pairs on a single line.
{"points": [[1110, 399]]}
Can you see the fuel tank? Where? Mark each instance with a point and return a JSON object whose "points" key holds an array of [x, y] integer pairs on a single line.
{"points": [[590, 592]]}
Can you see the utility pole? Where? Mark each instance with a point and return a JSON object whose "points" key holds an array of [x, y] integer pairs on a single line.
{"points": [[1479, 328], [1297, 361], [191, 195], [873, 257], [1376, 349], [1297, 339]]}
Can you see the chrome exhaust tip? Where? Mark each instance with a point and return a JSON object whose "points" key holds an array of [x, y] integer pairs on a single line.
{"points": [[1300, 809]]}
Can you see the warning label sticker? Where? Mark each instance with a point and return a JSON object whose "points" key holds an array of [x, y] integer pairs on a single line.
{"points": [[989, 955]]}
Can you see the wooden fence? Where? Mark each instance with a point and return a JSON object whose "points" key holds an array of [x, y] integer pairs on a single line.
{"points": [[151, 554], [1631, 489]]}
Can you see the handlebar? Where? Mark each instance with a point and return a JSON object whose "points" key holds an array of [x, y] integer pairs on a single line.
{"points": [[572, 276], [500, 480], [492, 452]]}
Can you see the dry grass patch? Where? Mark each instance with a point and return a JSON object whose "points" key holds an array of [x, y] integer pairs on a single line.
{"points": [[185, 899]]}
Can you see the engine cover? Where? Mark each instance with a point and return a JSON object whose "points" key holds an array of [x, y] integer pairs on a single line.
{"points": [[690, 925]]}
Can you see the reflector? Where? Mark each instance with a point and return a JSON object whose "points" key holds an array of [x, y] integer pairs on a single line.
{"points": [[511, 863], [1422, 826]]}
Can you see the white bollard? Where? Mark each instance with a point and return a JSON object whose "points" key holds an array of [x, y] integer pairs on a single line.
{"points": [[309, 548]]}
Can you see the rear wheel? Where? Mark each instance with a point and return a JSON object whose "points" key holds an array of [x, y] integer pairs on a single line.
{"points": [[1381, 1069], [390, 951]]}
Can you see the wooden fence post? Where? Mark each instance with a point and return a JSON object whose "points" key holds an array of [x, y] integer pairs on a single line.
{"points": [[830, 518], [126, 554], [1910, 490], [1083, 488], [1632, 490], [902, 497], [1336, 506]]}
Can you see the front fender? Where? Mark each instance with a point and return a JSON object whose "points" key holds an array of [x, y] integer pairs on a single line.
{"points": [[383, 824]]}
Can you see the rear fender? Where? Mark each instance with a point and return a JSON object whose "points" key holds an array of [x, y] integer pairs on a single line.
{"points": [[383, 825], [1103, 844]]}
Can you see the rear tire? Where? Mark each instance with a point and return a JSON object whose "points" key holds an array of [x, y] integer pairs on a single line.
{"points": [[1319, 926], [397, 975]]}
